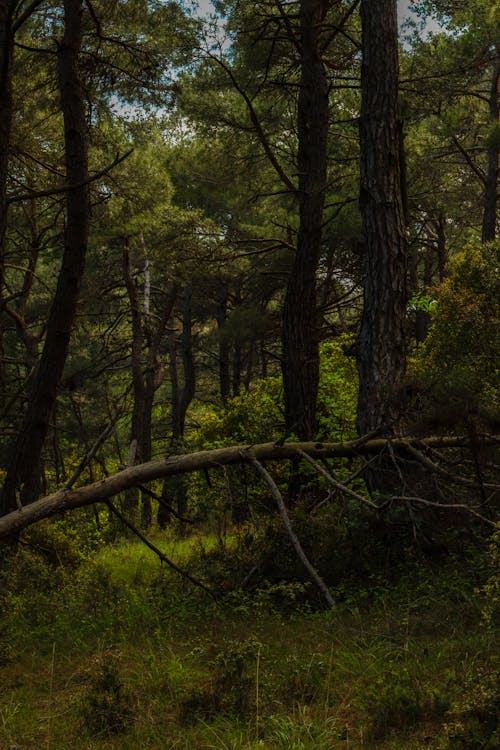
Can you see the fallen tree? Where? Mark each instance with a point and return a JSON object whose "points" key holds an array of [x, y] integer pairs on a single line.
{"points": [[418, 449]]}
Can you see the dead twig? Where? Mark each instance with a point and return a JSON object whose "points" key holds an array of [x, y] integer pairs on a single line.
{"points": [[288, 526], [334, 482], [158, 552]]}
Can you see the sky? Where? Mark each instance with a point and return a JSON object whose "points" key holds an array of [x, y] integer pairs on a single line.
{"points": [[404, 13]]}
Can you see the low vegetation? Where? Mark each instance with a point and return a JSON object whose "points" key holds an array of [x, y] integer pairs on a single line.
{"points": [[111, 649]]}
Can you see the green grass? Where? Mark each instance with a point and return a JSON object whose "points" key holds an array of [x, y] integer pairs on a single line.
{"points": [[122, 654]]}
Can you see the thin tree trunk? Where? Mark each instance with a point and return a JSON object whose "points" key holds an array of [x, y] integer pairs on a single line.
{"points": [[189, 388], [221, 316], [24, 468], [300, 362], [381, 344], [137, 425]]}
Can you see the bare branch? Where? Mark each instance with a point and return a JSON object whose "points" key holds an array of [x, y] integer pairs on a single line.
{"points": [[288, 526], [158, 552], [334, 482], [65, 188]]}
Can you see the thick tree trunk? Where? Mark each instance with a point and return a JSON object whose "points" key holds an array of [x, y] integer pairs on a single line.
{"points": [[24, 468], [381, 345], [300, 336], [491, 182], [6, 49]]}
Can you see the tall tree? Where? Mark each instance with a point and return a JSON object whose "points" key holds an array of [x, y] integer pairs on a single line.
{"points": [[24, 467], [300, 331], [381, 343]]}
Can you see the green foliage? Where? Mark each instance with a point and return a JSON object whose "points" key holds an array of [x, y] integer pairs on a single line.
{"points": [[338, 391], [106, 709], [459, 361], [473, 721], [257, 416], [396, 702], [491, 589], [231, 688]]}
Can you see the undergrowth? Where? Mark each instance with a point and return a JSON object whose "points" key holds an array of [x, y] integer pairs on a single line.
{"points": [[115, 651]]}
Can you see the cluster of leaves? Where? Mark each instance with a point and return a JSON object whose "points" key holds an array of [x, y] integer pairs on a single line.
{"points": [[459, 362]]}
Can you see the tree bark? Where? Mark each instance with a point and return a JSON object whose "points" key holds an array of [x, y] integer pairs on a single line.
{"points": [[24, 467], [103, 489], [381, 344], [6, 52], [300, 363], [491, 182], [221, 317]]}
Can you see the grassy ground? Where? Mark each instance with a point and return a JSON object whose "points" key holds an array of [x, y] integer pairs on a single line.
{"points": [[118, 653]]}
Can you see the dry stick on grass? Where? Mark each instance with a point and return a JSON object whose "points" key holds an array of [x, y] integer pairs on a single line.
{"points": [[288, 526], [158, 552], [333, 481]]}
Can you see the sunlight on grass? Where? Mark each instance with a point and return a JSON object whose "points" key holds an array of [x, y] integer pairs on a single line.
{"points": [[131, 561]]}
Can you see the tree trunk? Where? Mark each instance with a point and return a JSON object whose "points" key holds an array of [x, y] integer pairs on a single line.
{"points": [[24, 468], [300, 363], [103, 489], [188, 390], [381, 344], [6, 49], [221, 315], [180, 401], [139, 391], [491, 182]]}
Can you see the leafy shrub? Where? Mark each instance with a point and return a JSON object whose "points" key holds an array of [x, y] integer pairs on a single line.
{"points": [[491, 589], [396, 702], [258, 416], [474, 719], [231, 688], [106, 708], [459, 361]]}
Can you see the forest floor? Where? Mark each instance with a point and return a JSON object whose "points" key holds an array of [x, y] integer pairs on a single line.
{"points": [[119, 652]]}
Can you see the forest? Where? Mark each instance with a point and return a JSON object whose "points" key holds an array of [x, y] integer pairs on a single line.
{"points": [[249, 360]]}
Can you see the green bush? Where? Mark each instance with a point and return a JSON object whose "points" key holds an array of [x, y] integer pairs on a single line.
{"points": [[459, 362], [106, 709], [258, 416], [473, 722]]}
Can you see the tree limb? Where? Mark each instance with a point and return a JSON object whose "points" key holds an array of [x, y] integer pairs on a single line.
{"points": [[288, 526], [158, 552], [65, 188], [100, 491]]}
